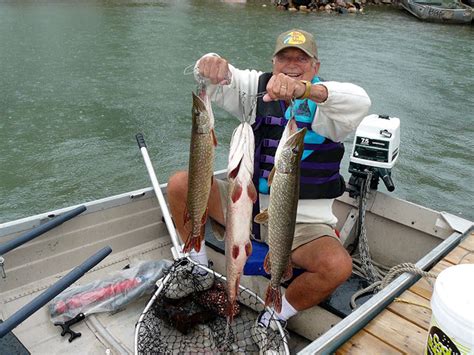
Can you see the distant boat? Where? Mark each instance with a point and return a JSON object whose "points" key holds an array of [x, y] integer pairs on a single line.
{"points": [[446, 11]]}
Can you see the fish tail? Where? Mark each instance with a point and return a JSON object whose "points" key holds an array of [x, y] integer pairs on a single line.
{"points": [[273, 297], [196, 236], [229, 311], [194, 241], [190, 243], [232, 300]]}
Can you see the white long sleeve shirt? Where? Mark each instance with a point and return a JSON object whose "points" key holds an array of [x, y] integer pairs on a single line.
{"points": [[347, 104]]}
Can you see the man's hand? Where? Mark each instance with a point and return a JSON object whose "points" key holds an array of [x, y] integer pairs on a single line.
{"points": [[214, 68], [283, 87]]}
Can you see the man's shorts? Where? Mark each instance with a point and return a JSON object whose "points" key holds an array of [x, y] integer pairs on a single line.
{"points": [[304, 232]]}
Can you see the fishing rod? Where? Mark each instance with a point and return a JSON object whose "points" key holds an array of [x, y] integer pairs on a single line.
{"points": [[66, 281]]}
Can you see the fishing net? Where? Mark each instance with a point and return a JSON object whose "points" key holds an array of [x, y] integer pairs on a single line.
{"points": [[187, 315]]}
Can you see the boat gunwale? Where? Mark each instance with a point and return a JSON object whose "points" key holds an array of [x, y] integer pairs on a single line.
{"points": [[26, 223], [29, 222]]}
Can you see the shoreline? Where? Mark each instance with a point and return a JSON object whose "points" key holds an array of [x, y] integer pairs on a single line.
{"points": [[330, 6]]}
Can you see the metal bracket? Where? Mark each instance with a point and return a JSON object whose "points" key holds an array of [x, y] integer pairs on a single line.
{"points": [[2, 269], [348, 227], [447, 220]]}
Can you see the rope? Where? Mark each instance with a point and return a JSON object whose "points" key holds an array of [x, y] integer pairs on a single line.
{"points": [[367, 265], [392, 274], [363, 291], [468, 253], [401, 300], [397, 270], [378, 275]]}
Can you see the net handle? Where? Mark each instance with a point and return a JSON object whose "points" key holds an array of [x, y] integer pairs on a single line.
{"points": [[176, 249]]}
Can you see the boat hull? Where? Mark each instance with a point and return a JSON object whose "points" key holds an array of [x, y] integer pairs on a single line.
{"points": [[131, 223], [436, 13]]}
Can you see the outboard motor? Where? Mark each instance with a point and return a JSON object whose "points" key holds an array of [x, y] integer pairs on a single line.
{"points": [[375, 150], [374, 153]]}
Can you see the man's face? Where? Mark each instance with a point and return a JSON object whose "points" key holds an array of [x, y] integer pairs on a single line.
{"points": [[295, 63]]}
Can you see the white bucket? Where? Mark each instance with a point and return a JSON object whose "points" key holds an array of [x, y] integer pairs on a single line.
{"points": [[452, 304]]}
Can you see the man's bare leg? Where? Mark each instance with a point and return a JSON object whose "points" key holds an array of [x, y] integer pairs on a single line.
{"points": [[327, 266]]}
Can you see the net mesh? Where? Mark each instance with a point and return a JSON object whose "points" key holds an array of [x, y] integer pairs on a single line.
{"points": [[188, 316]]}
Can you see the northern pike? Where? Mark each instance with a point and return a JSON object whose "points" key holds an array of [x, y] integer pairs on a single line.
{"points": [[200, 171], [284, 182], [242, 196]]}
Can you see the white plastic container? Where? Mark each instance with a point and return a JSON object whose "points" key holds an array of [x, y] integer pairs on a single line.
{"points": [[452, 304]]}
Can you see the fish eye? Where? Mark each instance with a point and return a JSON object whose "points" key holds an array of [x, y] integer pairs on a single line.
{"points": [[295, 150]]}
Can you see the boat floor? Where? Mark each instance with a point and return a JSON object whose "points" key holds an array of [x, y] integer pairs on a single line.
{"points": [[403, 327], [40, 336]]}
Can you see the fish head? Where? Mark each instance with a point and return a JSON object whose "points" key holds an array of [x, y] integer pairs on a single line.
{"points": [[291, 151], [290, 128], [203, 117], [241, 153]]}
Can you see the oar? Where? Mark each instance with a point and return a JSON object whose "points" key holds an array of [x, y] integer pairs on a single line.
{"points": [[37, 231], [31, 307], [176, 250]]}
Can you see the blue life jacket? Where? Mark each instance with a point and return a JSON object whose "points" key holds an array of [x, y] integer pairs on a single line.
{"points": [[320, 178]]}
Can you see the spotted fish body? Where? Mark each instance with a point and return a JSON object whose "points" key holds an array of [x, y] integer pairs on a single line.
{"points": [[200, 171], [242, 195], [281, 214]]}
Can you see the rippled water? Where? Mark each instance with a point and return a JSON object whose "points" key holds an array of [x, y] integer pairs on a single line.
{"points": [[78, 80]]}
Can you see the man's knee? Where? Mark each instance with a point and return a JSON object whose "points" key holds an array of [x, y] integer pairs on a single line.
{"points": [[338, 266], [177, 183]]}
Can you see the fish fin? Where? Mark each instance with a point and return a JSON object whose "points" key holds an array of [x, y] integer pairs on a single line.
{"points": [[270, 177], [267, 264], [188, 245], [288, 274], [229, 311], [233, 173], [235, 251], [204, 217], [262, 217], [252, 191], [199, 237], [231, 302], [248, 249], [236, 192], [273, 297], [218, 230], [214, 138]]}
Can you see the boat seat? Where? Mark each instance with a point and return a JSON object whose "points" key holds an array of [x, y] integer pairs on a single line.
{"points": [[10, 344], [339, 301]]}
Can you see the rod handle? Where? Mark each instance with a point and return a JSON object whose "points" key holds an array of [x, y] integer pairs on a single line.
{"points": [[140, 140]]}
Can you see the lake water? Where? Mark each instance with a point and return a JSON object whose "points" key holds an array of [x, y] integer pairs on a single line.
{"points": [[78, 80]]}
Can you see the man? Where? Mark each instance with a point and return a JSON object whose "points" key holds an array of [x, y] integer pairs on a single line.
{"points": [[330, 111]]}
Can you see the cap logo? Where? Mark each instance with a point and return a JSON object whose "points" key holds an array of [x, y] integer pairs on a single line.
{"points": [[294, 37]]}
